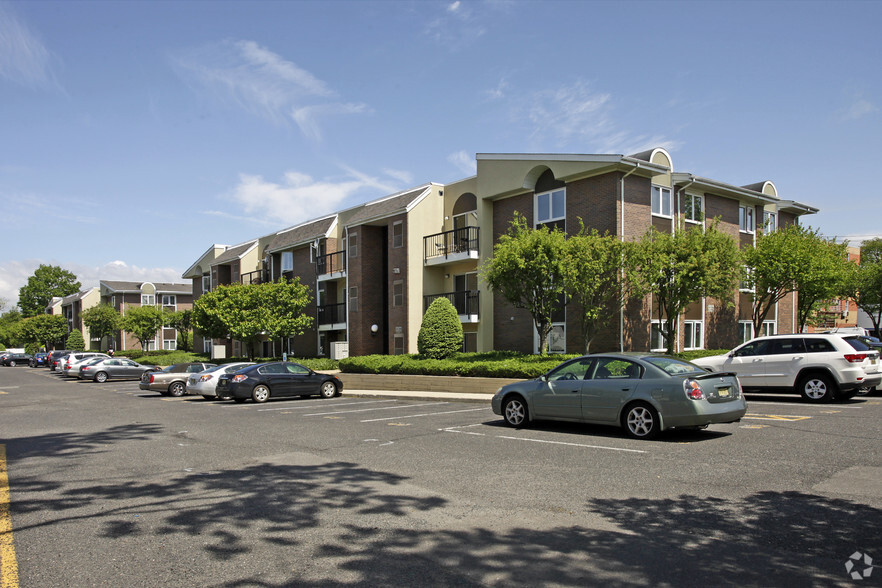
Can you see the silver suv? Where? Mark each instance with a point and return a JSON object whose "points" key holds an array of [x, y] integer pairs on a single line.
{"points": [[821, 367]]}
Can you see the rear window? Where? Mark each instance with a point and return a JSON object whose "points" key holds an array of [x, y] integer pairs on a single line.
{"points": [[674, 366], [857, 344]]}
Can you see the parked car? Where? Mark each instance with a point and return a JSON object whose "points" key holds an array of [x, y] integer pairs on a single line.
{"points": [[642, 393], [73, 362], [114, 368], [88, 361], [16, 359], [39, 360], [54, 356], [205, 382], [819, 366], [172, 380], [276, 379]]}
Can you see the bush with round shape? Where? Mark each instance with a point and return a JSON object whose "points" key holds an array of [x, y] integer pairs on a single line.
{"points": [[75, 341], [441, 331]]}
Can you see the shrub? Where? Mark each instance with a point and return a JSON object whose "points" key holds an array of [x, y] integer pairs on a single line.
{"points": [[75, 340], [441, 331]]}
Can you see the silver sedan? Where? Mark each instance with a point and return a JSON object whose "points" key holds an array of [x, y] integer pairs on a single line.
{"points": [[641, 392], [205, 382]]}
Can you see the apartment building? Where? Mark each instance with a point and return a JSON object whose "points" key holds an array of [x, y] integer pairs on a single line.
{"points": [[123, 296], [373, 269]]}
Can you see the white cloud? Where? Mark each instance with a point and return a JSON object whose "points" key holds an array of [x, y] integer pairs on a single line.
{"points": [[464, 162], [300, 197], [23, 57], [858, 109], [265, 84], [15, 274], [458, 26]]}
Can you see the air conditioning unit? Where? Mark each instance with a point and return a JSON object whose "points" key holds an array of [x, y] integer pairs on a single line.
{"points": [[339, 349]]}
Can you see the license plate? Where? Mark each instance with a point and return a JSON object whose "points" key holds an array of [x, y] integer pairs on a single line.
{"points": [[723, 392]]}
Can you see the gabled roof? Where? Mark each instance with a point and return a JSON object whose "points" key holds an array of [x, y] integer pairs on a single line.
{"points": [[301, 234], [161, 287], [385, 207], [751, 194], [233, 253]]}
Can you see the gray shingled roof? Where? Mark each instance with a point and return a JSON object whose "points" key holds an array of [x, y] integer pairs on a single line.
{"points": [[234, 252], [383, 208], [302, 234], [643, 155], [118, 286], [758, 187]]}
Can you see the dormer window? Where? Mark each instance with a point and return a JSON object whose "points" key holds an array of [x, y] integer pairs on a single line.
{"points": [[551, 209]]}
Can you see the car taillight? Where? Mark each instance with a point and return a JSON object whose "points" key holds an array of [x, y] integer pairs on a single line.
{"points": [[151, 378], [205, 378], [240, 378], [693, 389], [855, 357]]}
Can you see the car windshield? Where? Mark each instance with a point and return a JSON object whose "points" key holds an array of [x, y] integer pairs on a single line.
{"points": [[673, 366]]}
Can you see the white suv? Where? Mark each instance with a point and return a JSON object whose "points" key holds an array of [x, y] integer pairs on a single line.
{"points": [[821, 367]]}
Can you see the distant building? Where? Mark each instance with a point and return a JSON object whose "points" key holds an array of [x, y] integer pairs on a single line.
{"points": [[125, 295]]}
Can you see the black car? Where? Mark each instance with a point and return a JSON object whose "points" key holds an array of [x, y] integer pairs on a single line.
{"points": [[276, 379], [14, 359], [39, 360], [56, 355]]}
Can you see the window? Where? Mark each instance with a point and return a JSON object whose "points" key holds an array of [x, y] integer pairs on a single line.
{"points": [[745, 219], [745, 284], [557, 338], [353, 245], [148, 300], [398, 345], [745, 331], [574, 370], [169, 300], [551, 209], [769, 328], [656, 336], [692, 335], [169, 344], [661, 201], [353, 299], [206, 346], [398, 234], [287, 261], [770, 221], [206, 283], [470, 342], [693, 208], [398, 293]]}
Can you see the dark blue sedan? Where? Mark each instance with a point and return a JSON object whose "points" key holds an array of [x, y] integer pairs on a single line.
{"points": [[276, 379]]}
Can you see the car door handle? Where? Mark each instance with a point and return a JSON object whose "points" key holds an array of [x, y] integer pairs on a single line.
{"points": [[798, 357]]}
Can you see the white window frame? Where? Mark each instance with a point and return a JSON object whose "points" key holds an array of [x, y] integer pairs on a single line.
{"points": [[744, 285], [206, 346], [693, 335], [170, 344], [287, 261], [660, 197], [206, 283], [693, 199], [148, 300], [770, 221], [557, 338], [544, 207], [770, 328], [352, 245], [745, 218], [398, 237], [170, 300], [745, 331], [656, 340]]}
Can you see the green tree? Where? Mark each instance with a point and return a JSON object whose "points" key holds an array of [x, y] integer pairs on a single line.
{"points": [[182, 321], [75, 341], [9, 332], [251, 312], [103, 321], [47, 281], [866, 284], [779, 263], [596, 270], [528, 268], [683, 267], [48, 330], [440, 333], [143, 322], [829, 275]]}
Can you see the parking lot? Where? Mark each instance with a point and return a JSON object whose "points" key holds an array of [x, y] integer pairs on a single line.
{"points": [[112, 485]]}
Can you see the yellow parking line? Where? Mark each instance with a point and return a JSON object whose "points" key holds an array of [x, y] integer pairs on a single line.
{"points": [[776, 417], [8, 563]]}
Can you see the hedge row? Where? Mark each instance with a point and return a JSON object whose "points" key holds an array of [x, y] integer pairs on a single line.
{"points": [[163, 357]]}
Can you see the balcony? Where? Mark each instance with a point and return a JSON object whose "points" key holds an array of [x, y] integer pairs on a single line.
{"points": [[331, 265], [257, 277], [332, 317], [451, 246], [465, 302]]}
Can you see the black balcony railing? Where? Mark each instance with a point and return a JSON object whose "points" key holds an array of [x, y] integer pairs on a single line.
{"points": [[457, 241], [330, 263], [257, 277], [332, 314], [465, 302]]}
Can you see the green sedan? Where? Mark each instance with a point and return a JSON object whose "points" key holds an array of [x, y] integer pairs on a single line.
{"points": [[643, 393]]}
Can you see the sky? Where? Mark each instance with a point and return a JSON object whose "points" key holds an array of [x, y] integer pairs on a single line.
{"points": [[134, 135]]}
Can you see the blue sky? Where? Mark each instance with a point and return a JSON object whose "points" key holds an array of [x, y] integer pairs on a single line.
{"points": [[133, 135]]}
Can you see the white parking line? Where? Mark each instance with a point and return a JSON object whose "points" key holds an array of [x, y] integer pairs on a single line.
{"points": [[321, 400], [425, 414], [382, 408], [507, 437]]}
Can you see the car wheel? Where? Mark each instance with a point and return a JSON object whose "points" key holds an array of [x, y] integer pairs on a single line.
{"points": [[260, 393], [329, 390], [12, 363], [641, 421], [176, 389], [239, 400], [101, 377], [818, 388], [514, 411]]}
